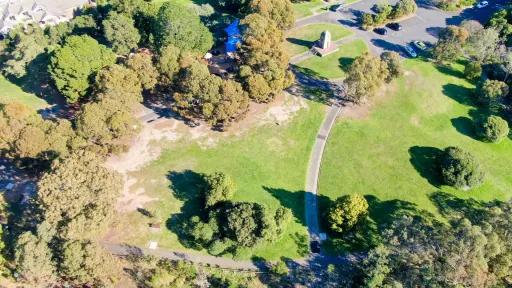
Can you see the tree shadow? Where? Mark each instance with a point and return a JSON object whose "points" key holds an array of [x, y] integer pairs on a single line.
{"points": [[345, 63], [425, 161], [453, 207], [434, 31], [186, 186], [386, 45], [464, 126], [310, 85], [293, 200], [462, 95], [300, 42], [448, 70]]}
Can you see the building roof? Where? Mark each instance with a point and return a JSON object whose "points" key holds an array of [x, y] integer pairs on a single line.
{"points": [[13, 12]]}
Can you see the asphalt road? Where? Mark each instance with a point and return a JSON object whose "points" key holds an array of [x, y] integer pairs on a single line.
{"points": [[424, 25]]}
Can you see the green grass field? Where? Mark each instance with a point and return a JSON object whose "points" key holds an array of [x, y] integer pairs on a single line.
{"points": [[300, 40], [388, 155], [9, 92], [307, 8], [333, 66], [268, 165]]}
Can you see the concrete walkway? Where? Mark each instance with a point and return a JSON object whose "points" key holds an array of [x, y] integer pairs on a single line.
{"points": [[226, 263], [311, 203]]}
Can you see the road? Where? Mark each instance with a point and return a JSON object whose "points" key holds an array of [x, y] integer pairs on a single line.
{"points": [[424, 25]]}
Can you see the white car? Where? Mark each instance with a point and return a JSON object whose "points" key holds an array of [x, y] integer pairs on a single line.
{"points": [[482, 4], [410, 51]]}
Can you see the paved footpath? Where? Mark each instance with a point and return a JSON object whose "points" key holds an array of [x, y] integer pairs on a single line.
{"points": [[315, 161], [125, 250]]}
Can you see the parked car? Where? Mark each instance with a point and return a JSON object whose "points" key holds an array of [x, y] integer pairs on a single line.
{"points": [[410, 51], [482, 4], [315, 247], [336, 7], [420, 45], [380, 31], [394, 26]]}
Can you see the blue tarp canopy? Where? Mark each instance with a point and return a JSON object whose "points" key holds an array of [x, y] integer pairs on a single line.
{"points": [[233, 32], [232, 29]]}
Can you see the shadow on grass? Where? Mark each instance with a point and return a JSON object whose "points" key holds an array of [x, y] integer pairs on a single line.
{"points": [[453, 207], [186, 186], [310, 85], [464, 126], [345, 63], [448, 70], [461, 94], [425, 161], [300, 42]]}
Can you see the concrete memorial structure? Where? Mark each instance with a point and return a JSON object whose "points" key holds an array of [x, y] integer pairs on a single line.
{"points": [[324, 46]]}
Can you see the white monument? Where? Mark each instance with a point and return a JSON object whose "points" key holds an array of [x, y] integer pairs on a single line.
{"points": [[325, 46]]}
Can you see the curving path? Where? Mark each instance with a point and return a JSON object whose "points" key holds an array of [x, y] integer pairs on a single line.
{"points": [[315, 161]]}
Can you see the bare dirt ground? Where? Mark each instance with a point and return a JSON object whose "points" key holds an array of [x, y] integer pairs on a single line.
{"points": [[148, 144]]}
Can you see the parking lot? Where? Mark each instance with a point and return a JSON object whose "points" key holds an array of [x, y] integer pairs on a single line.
{"points": [[423, 26]]}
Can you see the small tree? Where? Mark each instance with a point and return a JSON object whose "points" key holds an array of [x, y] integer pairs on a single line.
{"points": [[460, 169], [346, 212], [366, 74], [219, 187], [393, 61], [493, 129], [473, 70]]}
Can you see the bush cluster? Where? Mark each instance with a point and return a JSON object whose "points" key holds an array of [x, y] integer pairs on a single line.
{"points": [[386, 13]]}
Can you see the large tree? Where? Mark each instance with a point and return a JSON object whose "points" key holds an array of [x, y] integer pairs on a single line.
{"points": [[74, 65], [366, 74], [450, 44], [178, 26], [121, 33], [142, 65], [78, 195], [120, 84], [279, 11]]}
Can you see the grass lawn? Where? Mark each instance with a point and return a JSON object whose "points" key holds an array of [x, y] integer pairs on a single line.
{"points": [[388, 156], [9, 92], [307, 8], [300, 40], [268, 165], [333, 66]]}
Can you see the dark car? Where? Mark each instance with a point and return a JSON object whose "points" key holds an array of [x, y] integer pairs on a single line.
{"points": [[315, 247], [395, 26], [380, 31]]}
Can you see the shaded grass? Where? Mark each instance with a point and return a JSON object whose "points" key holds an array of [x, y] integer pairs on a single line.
{"points": [[10, 92], [334, 65], [301, 39], [389, 155], [273, 156]]}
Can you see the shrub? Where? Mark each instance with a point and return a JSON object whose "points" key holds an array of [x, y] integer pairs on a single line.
{"points": [[472, 70], [491, 92], [346, 212], [493, 129], [460, 169]]}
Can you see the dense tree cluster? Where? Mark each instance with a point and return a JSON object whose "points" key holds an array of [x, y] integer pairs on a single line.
{"points": [[224, 226], [76, 201], [30, 140], [387, 12], [472, 251]]}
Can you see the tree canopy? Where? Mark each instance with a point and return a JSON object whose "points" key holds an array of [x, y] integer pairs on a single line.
{"points": [[74, 65]]}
